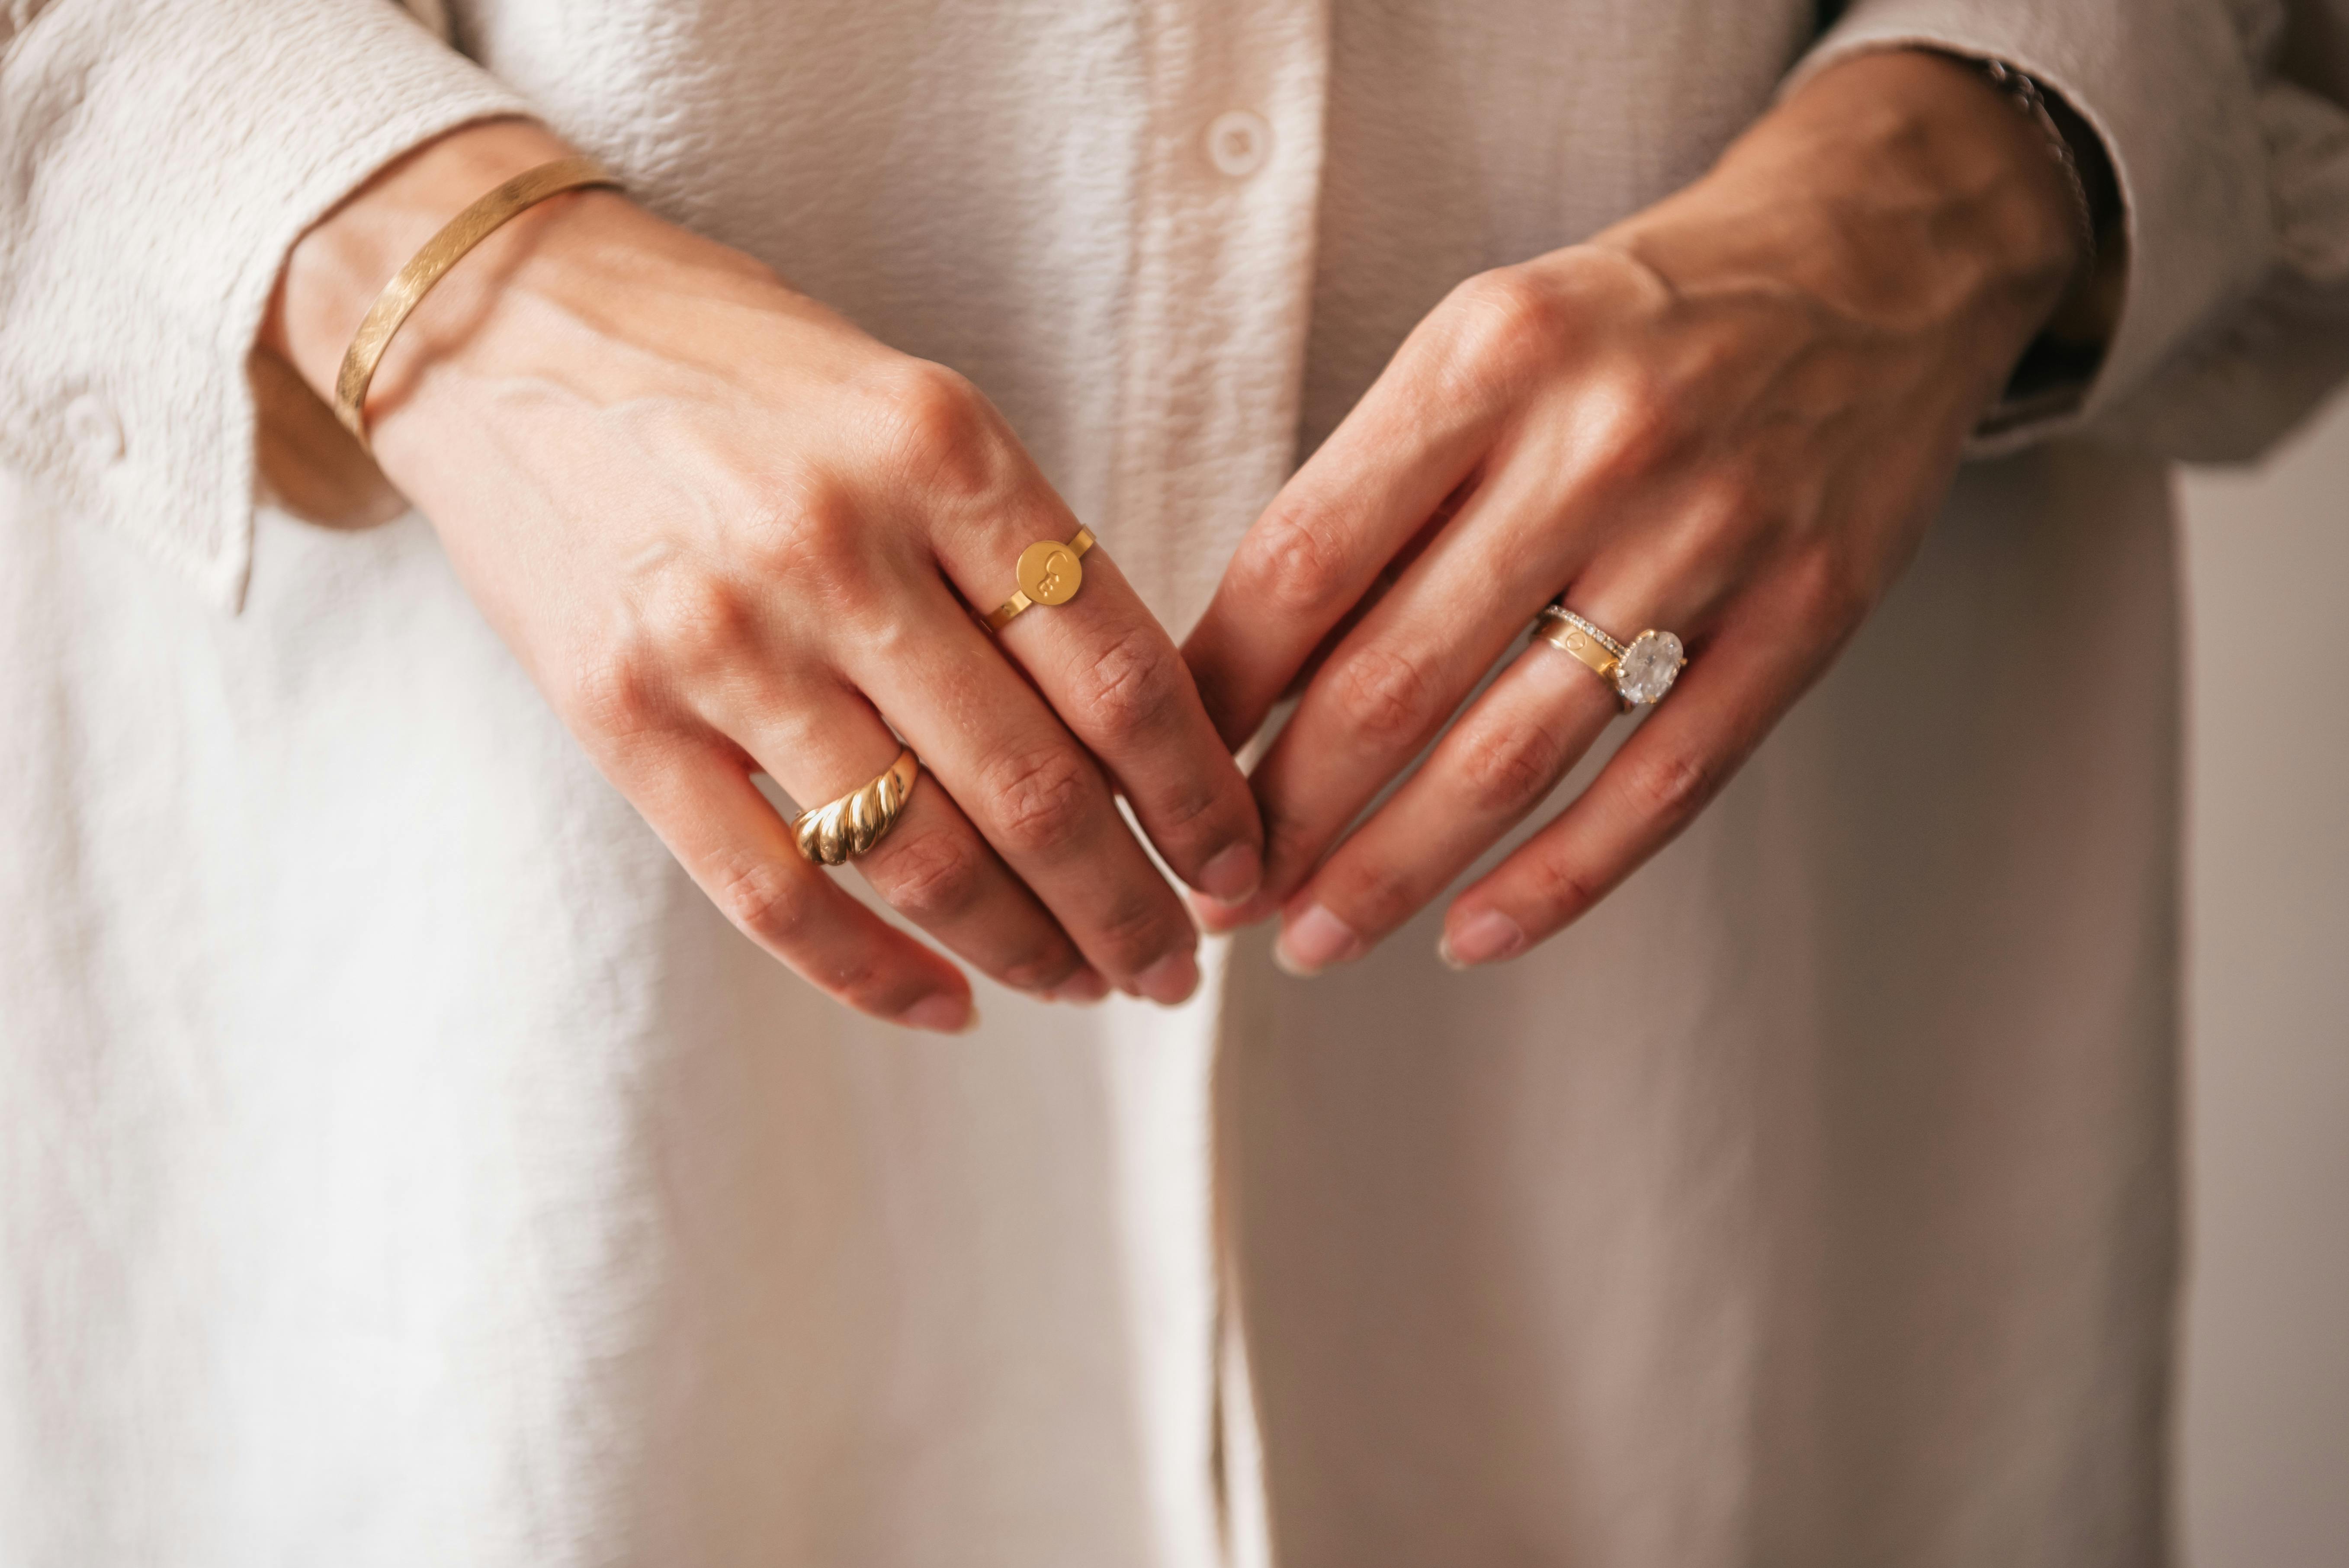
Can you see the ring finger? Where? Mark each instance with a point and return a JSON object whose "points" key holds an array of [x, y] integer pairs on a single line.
{"points": [[1036, 795], [932, 866], [1499, 760]]}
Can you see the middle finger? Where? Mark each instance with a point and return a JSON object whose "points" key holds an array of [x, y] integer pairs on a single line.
{"points": [[1037, 796]]}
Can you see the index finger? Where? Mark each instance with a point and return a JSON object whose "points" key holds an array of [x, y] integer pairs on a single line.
{"points": [[1102, 660], [1412, 444]]}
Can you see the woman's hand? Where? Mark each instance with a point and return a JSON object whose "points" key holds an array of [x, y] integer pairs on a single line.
{"points": [[1730, 418], [729, 532]]}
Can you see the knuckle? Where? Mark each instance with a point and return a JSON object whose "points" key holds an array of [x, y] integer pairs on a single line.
{"points": [[1828, 592], [1132, 934], [1506, 768], [690, 621], [1671, 786], [1287, 564], [1637, 426], [929, 877], [1131, 687], [1383, 696], [1735, 503], [1042, 971], [939, 429], [882, 990], [1377, 898], [616, 692], [1562, 888], [766, 900], [1039, 799], [1502, 321], [813, 532]]}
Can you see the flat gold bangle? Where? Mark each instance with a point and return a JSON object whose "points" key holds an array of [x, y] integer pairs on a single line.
{"points": [[1036, 577], [429, 265]]}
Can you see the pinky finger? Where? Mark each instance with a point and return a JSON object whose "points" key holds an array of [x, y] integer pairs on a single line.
{"points": [[1697, 739], [699, 797]]}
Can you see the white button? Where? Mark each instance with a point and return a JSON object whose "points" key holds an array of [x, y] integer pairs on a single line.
{"points": [[1239, 142], [91, 426]]}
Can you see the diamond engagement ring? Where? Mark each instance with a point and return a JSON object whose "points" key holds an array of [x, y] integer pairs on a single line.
{"points": [[1640, 673]]}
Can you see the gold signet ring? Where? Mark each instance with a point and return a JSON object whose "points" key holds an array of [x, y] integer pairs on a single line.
{"points": [[1048, 572], [836, 834]]}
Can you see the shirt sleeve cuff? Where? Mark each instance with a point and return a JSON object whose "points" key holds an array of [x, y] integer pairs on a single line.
{"points": [[162, 156]]}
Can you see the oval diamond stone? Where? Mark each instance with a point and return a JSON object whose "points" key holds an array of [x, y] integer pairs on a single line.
{"points": [[1650, 664]]}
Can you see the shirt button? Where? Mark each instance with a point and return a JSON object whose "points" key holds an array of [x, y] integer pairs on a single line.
{"points": [[91, 426], [1239, 142]]}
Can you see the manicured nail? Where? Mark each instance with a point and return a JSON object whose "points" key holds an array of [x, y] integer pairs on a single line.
{"points": [[1232, 875], [1483, 937], [1087, 985], [1314, 941], [1170, 980], [944, 1012]]}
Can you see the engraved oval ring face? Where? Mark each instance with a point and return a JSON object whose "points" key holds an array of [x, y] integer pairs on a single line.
{"points": [[1049, 572]]}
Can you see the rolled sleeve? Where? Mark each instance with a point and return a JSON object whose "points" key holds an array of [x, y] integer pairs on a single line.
{"points": [[2170, 86], [160, 158]]}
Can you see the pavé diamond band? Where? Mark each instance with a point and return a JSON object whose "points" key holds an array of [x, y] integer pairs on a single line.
{"points": [[1641, 672]]}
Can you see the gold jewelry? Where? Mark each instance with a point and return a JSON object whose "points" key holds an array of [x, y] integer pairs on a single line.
{"points": [[1640, 673], [836, 834], [1047, 575], [429, 265]]}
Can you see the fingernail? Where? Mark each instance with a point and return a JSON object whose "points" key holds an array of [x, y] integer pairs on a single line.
{"points": [[1314, 941], [1170, 980], [1220, 916], [1232, 875], [1087, 984], [943, 1012], [1483, 937]]}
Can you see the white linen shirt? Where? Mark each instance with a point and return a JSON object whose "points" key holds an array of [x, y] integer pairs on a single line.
{"points": [[400, 1161]]}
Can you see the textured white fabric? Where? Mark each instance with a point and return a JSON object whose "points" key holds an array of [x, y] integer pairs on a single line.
{"points": [[399, 1161]]}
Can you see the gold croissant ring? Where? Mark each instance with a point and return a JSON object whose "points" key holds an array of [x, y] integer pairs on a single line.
{"points": [[836, 834], [1048, 573], [1641, 672]]}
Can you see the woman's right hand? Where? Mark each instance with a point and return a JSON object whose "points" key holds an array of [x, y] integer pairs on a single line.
{"points": [[726, 532]]}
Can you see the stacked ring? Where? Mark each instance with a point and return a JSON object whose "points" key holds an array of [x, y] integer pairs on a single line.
{"points": [[837, 833], [1048, 573], [1641, 672]]}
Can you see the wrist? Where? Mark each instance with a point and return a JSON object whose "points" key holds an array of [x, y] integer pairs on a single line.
{"points": [[338, 267], [1899, 189]]}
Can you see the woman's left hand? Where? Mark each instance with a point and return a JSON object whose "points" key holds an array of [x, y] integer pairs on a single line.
{"points": [[1729, 417]]}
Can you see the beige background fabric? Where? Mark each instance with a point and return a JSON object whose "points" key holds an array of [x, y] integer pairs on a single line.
{"points": [[2264, 1423]]}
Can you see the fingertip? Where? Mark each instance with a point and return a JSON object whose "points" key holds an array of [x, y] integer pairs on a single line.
{"points": [[942, 1012], [1233, 875], [1171, 981], [1481, 936], [1315, 939], [1220, 919], [1085, 988]]}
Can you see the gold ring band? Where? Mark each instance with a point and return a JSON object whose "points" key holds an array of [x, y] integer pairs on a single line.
{"points": [[429, 265], [1641, 672], [1048, 573], [835, 834]]}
